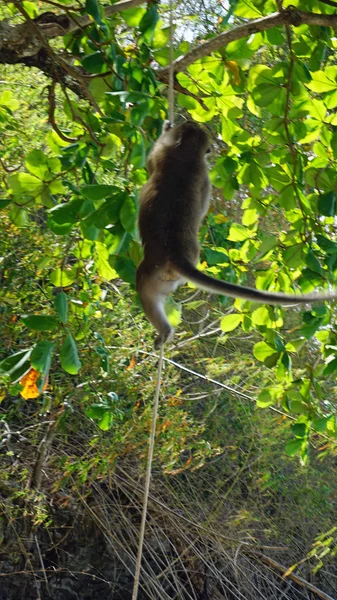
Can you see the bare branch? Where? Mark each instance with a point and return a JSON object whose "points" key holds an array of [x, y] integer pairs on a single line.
{"points": [[54, 25], [276, 566]]}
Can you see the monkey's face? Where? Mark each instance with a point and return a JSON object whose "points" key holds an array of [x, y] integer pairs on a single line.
{"points": [[187, 137]]}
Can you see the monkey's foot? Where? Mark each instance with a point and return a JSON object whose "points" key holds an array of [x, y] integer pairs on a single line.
{"points": [[165, 336]]}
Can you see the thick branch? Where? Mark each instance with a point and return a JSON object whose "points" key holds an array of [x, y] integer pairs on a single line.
{"points": [[27, 43], [25, 40], [290, 16]]}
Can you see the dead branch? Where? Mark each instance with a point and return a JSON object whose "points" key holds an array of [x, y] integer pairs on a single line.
{"points": [[43, 449], [51, 26], [276, 566]]}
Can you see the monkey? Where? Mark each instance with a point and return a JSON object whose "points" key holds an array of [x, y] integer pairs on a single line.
{"points": [[172, 205]]}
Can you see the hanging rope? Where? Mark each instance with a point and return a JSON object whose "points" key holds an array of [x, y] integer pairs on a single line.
{"points": [[148, 476], [160, 363], [171, 71]]}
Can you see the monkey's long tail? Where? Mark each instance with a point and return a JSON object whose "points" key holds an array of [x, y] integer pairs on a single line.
{"points": [[246, 293]]}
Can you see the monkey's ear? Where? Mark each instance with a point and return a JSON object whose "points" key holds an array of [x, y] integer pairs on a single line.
{"points": [[208, 151]]}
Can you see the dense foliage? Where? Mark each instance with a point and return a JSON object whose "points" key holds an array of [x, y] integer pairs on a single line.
{"points": [[77, 120]]}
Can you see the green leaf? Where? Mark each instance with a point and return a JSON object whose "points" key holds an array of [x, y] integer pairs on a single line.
{"points": [[65, 213], [247, 9], [149, 22], [102, 413], [319, 425], [8, 99], [334, 144], [266, 316], [108, 213], [69, 356], [128, 214], [294, 447], [40, 322], [313, 263], [97, 191], [138, 155], [125, 268], [173, 311], [92, 8], [94, 63], [239, 233], [40, 359], [133, 16], [327, 245], [18, 216], [25, 183], [106, 421], [250, 217], [265, 93], [327, 204], [269, 396], [16, 365], [263, 351], [298, 407], [61, 306], [102, 263], [216, 256], [331, 367], [4, 203], [63, 277], [59, 229], [36, 163], [90, 232], [161, 36], [299, 429], [321, 82], [230, 322]]}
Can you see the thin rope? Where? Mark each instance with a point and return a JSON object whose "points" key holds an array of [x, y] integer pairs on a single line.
{"points": [[171, 71], [148, 476]]}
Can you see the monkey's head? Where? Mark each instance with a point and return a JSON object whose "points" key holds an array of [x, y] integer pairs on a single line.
{"points": [[189, 137]]}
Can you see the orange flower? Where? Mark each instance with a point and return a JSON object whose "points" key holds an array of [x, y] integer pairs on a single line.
{"points": [[28, 382]]}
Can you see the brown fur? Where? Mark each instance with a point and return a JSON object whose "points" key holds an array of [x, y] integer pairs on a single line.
{"points": [[172, 205]]}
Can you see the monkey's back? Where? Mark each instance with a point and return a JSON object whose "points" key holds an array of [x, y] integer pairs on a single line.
{"points": [[172, 205]]}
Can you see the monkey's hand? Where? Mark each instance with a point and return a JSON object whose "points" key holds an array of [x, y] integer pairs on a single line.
{"points": [[165, 336]]}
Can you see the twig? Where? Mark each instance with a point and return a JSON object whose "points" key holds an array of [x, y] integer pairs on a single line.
{"points": [[42, 563], [36, 477], [51, 115], [259, 557], [210, 532]]}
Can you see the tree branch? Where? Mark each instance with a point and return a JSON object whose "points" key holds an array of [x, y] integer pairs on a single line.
{"points": [[53, 25], [276, 566], [289, 16], [27, 43]]}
